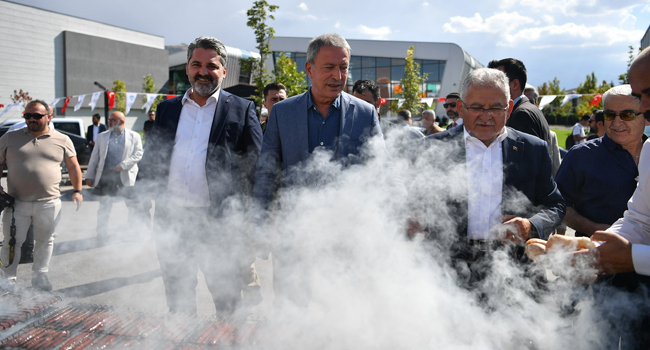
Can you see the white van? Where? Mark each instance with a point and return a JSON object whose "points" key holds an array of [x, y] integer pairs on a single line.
{"points": [[72, 125]]}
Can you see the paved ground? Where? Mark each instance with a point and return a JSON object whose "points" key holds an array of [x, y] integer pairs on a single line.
{"points": [[122, 272]]}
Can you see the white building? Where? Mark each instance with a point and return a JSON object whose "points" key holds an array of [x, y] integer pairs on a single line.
{"points": [[52, 55], [383, 61]]}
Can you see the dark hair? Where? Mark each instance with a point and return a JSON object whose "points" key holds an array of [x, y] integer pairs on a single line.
{"points": [[404, 115], [274, 86], [599, 116], [453, 95], [514, 69], [363, 85], [586, 117], [96, 115], [39, 102], [208, 43]]}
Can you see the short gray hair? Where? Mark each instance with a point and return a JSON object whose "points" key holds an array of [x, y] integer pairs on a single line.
{"points": [[430, 112], [621, 90], [486, 77], [331, 39], [208, 43]]}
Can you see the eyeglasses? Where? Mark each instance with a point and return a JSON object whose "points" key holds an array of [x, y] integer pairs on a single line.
{"points": [[494, 111], [451, 104], [626, 115], [35, 116]]}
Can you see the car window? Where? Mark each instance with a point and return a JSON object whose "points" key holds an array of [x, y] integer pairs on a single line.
{"points": [[72, 128]]}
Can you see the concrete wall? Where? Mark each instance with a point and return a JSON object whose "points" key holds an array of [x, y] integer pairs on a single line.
{"points": [[32, 51]]}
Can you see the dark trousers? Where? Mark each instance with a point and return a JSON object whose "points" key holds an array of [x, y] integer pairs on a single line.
{"points": [[189, 240]]}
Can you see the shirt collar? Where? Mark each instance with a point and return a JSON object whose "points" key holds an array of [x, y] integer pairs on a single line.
{"points": [[502, 136], [311, 104], [516, 100], [214, 97]]}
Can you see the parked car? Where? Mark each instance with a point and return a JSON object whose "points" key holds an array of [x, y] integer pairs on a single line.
{"points": [[71, 125], [80, 145]]}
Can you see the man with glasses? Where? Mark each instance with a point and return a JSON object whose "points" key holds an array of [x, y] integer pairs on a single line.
{"points": [[33, 156], [598, 177], [452, 109], [596, 125], [511, 193]]}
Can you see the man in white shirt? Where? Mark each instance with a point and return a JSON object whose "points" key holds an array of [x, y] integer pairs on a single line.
{"points": [[503, 165], [202, 150], [578, 131]]}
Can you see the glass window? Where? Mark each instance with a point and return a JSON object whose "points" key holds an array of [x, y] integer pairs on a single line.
{"points": [[397, 62], [367, 62], [383, 62], [442, 69], [432, 70], [396, 73], [355, 62], [354, 75], [383, 75], [368, 73]]}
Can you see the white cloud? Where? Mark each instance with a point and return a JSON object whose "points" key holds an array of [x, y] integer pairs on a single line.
{"points": [[303, 6], [374, 33], [425, 4], [548, 19], [337, 25], [571, 35], [498, 23]]}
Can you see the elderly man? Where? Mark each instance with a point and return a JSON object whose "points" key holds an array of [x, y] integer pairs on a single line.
{"points": [[597, 178], [273, 93], [201, 152], [428, 123], [451, 108], [323, 118], [502, 166], [112, 166], [525, 117], [33, 156]]}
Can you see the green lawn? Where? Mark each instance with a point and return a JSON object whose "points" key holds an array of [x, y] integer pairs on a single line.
{"points": [[561, 136]]}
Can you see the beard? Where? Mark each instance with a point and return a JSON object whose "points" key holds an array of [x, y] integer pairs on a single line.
{"points": [[115, 129], [36, 126], [205, 89], [452, 114]]}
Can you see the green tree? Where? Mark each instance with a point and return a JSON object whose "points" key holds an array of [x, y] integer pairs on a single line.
{"points": [[257, 21], [623, 77], [411, 84], [286, 72], [589, 89], [120, 95], [149, 87], [552, 87]]}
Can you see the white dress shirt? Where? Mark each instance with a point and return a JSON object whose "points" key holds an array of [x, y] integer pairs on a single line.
{"points": [[635, 223], [95, 132], [484, 185], [188, 183]]}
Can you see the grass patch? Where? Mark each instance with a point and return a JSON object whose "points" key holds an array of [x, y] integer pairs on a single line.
{"points": [[562, 134]]}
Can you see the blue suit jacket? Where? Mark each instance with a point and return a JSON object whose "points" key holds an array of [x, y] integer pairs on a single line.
{"points": [[234, 145], [286, 139], [527, 169]]}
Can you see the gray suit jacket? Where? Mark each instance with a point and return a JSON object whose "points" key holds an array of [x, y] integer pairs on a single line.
{"points": [[286, 143]]}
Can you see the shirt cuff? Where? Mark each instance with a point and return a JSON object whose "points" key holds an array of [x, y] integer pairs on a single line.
{"points": [[641, 259]]}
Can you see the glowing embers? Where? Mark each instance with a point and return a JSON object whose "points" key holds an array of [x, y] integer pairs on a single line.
{"points": [[87, 326]]}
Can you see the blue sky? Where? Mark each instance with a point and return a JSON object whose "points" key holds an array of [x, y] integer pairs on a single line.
{"points": [[567, 39]]}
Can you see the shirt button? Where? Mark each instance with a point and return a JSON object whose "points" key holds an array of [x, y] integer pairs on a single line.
{"points": [[321, 143], [323, 123]]}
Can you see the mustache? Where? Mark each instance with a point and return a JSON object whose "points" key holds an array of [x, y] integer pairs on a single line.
{"points": [[199, 76], [481, 122]]}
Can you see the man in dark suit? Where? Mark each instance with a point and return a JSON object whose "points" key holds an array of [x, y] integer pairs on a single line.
{"points": [[201, 151], [502, 167], [323, 118], [526, 117], [94, 130]]}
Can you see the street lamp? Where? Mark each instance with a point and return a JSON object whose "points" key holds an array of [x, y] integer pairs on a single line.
{"points": [[105, 101]]}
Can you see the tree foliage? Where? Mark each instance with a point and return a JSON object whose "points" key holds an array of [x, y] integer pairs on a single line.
{"points": [[411, 84], [552, 87], [149, 86], [286, 72], [590, 88], [21, 96], [623, 77], [257, 16], [120, 95]]}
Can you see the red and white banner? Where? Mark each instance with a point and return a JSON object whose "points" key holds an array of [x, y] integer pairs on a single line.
{"points": [[111, 99], [596, 100], [9, 107], [130, 99], [65, 104]]}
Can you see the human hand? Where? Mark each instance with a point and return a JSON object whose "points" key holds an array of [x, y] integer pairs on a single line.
{"points": [[613, 256], [514, 230], [77, 198], [118, 168], [90, 182]]}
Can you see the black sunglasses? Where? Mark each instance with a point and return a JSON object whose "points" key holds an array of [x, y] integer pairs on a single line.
{"points": [[35, 116], [451, 104], [626, 115]]}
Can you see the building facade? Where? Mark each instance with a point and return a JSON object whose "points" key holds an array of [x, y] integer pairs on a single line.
{"points": [[52, 55]]}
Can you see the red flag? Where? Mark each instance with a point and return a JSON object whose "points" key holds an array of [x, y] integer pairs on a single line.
{"points": [[382, 101], [2, 106], [596, 100], [442, 99], [65, 104], [111, 99], [169, 97]]}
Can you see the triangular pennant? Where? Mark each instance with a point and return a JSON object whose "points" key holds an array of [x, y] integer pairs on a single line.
{"points": [[93, 100], [80, 100], [130, 99], [65, 104]]}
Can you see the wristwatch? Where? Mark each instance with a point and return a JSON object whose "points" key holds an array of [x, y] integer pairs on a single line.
{"points": [[76, 191]]}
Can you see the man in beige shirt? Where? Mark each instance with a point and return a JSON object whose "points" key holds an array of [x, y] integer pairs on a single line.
{"points": [[33, 156]]}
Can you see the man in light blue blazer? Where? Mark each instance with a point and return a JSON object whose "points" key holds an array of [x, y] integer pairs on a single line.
{"points": [[323, 118]]}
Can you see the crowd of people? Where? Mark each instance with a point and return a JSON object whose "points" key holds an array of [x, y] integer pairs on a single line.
{"points": [[208, 146]]}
